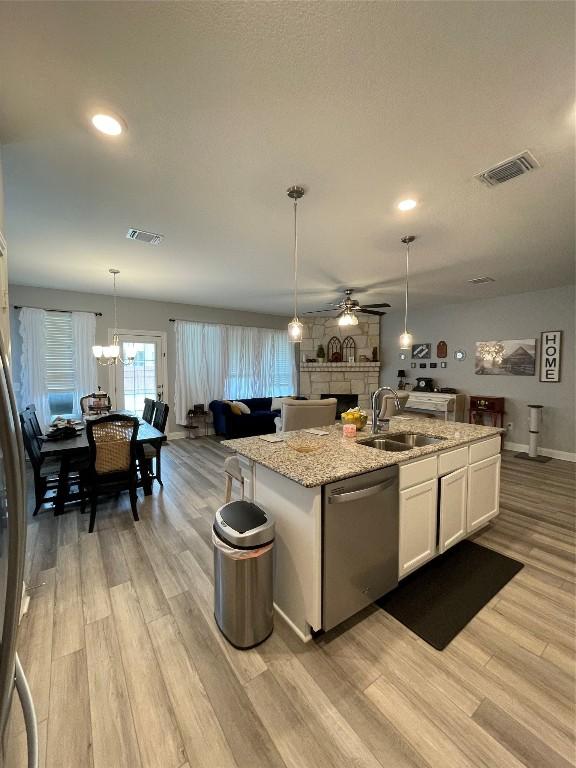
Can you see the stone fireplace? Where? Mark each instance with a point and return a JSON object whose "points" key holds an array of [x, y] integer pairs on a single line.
{"points": [[342, 378], [344, 402]]}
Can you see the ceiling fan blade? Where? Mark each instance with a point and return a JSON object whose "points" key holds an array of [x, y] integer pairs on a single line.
{"points": [[315, 311], [375, 306], [370, 312]]}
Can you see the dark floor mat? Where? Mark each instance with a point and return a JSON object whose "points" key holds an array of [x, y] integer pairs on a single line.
{"points": [[439, 599]]}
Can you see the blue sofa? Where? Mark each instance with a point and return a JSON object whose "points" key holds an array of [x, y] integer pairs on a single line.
{"points": [[260, 420]]}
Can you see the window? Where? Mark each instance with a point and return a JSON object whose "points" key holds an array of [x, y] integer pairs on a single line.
{"points": [[60, 363]]}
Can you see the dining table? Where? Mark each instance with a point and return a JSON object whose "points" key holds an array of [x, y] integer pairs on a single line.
{"points": [[75, 448]]}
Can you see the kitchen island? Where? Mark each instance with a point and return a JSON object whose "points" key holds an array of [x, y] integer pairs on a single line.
{"points": [[430, 496]]}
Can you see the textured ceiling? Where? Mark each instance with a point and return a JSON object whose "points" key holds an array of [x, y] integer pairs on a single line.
{"points": [[227, 104]]}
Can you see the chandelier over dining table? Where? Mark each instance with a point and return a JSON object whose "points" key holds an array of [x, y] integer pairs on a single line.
{"points": [[110, 354]]}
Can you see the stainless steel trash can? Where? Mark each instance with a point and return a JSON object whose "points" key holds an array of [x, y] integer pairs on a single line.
{"points": [[243, 539]]}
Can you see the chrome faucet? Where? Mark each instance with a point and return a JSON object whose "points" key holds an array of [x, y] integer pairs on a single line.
{"points": [[376, 422]]}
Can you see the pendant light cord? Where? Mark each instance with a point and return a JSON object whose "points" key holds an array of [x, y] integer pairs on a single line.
{"points": [[295, 258], [406, 289], [115, 309]]}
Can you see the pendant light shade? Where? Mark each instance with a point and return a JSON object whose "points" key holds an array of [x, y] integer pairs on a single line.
{"points": [[406, 338], [347, 318], [295, 327]]}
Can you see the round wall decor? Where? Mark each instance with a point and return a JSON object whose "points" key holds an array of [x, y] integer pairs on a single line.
{"points": [[460, 354]]}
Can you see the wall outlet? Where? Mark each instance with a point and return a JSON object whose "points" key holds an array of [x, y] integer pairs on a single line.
{"points": [[510, 426]]}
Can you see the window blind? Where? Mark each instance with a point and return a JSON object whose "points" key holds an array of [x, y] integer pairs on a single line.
{"points": [[60, 369]]}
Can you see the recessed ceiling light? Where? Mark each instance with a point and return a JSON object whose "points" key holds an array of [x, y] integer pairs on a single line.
{"points": [[481, 280], [107, 124], [407, 205]]}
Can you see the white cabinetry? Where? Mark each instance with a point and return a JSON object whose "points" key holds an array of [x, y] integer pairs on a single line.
{"points": [[483, 492], [417, 542], [452, 518]]}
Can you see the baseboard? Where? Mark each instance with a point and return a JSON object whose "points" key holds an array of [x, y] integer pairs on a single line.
{"points": [[554, 454], [176, 435], [293, 627]]}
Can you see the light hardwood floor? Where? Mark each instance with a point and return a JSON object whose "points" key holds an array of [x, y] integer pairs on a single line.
{"points": [[128, 669]]}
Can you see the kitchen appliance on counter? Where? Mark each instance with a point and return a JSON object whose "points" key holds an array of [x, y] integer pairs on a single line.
{"points": [[424, 384], [360, 543], [12, 552]]}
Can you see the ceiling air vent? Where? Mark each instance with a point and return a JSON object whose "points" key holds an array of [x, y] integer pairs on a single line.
{"points": [[508, 169], [144, 237], [481, 280]]}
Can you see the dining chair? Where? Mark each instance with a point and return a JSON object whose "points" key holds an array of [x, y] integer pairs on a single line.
{"points": [[149, 407], [30, 411], [47, 470], [151, 451], [111, 460], [303, 414]]}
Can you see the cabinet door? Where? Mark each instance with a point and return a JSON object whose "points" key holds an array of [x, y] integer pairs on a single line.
{"points": [[417, 539], [483, 492], [452, 508]]}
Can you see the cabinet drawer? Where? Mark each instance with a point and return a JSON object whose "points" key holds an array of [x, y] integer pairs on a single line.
{"points": [[452, 460], [485, 449], [418, 472]]}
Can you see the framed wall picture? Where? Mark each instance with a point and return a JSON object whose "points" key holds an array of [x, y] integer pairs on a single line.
{"points": [[412, 365], [550, 356], [421, 351], [443, 364], [509, 357], [441, 350]]}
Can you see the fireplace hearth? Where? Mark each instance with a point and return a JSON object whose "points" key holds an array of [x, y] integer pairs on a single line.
{"points": [[344, 402]]}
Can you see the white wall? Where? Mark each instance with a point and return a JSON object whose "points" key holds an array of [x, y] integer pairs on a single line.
{"points": [[520, 316], [133, 314]]}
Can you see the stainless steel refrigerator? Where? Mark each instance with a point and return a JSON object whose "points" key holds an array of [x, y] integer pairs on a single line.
{"points": [[12, 553]]}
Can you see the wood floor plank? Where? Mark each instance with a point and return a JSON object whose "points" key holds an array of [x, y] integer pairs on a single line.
{"points": [[158, 736], [150, 596], [95, 598], [68, 634], [162, 561], [249, 741], [526, 746], [204, 740], [113, 559], [69, 733], [114, 735]]}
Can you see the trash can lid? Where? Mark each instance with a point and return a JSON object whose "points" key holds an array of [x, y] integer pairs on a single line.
{"points": [[244, 525]]}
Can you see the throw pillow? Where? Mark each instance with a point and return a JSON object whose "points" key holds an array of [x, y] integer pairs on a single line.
{"points": [[243, 407], [277, 402], [235, 409]]}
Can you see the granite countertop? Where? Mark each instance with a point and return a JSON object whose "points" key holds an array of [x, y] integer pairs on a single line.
{"points": [[338, 457]]}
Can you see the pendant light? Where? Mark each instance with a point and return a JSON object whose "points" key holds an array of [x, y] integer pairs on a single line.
{"points": [[295, 327], [110, 355], [406, 338], [348, 318]]}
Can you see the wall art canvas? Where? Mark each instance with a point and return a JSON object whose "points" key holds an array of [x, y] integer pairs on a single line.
{"points": [[511, 357], [421, 351]]}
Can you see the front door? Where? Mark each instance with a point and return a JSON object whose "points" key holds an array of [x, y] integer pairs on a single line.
{"points": [[145, 377]]}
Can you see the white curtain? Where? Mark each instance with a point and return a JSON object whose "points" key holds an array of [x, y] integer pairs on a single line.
{"points": [[216, 361], [33, 362], [84, 336], [200, 365]]}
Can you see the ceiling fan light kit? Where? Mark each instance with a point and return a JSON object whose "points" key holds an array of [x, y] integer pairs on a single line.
{"points": [[295, 327], [406, 337]]}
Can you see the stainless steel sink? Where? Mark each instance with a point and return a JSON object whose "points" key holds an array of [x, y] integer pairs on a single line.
{"points": [[404, 441], [414, 440], [383, 444]]}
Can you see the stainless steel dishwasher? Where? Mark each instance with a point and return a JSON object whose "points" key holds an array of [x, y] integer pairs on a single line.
{"points": [[359, 543]]}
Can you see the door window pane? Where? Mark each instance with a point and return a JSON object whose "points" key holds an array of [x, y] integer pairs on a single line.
{"points": [[140, 377]]}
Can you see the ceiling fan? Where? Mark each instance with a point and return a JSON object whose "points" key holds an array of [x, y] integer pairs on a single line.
{"points": [[349, 309]]}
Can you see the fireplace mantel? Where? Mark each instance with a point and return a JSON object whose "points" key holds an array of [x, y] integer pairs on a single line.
{"points": [[342, 367]]}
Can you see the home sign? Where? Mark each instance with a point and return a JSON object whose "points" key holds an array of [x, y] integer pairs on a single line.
{"points": [[550, 354]]}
